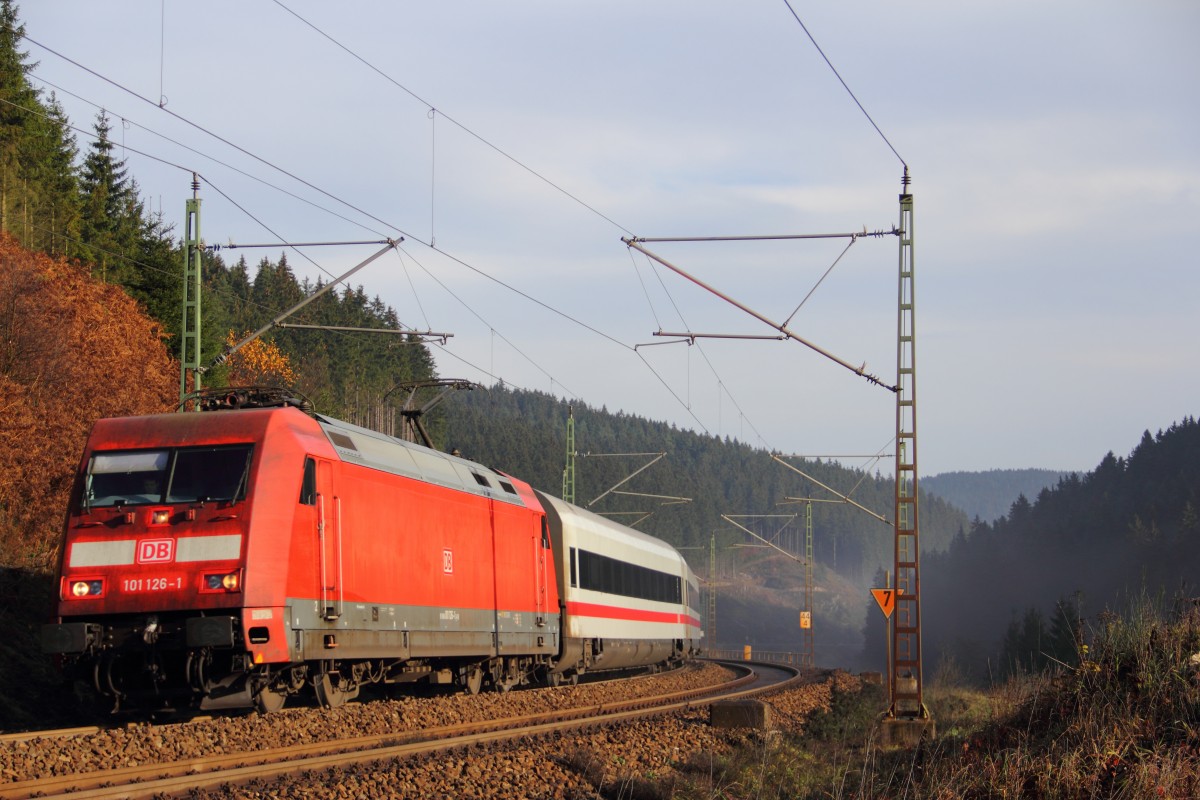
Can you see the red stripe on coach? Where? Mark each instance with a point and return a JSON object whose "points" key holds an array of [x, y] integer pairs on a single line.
{"points": [[632, 614]]}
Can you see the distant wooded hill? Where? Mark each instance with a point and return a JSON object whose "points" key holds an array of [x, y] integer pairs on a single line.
{"points": [[1009, 594], [989, 495]]}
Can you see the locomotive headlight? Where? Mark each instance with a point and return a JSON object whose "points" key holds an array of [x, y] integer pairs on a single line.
{"points": [[160, 516], [223, 582], [92, 588]]}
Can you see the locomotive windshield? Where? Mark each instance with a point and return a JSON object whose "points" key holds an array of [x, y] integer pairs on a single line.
{"points": [[175, 475]]}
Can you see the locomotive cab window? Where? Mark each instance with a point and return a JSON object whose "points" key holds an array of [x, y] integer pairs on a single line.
{"points": [[177, 475]]}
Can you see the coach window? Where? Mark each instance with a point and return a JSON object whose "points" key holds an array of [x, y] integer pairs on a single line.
{"points": [[308, 487], [574, 578]]}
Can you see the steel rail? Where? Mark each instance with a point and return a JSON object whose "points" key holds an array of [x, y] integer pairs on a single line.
{"points": [[178, 776], [53, 733]]}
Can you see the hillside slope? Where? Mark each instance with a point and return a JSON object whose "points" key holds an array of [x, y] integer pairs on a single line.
{"points": [[989, 495], [1130, 526]]}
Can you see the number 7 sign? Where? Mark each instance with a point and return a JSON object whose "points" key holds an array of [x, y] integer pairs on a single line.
{"points": [[886, 598]]}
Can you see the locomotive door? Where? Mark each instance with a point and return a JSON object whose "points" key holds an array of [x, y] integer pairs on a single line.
{"points": [[541, 546], [329, 541]]}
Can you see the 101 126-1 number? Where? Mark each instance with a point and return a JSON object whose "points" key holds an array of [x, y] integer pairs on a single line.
{"points": [[155, 584]]}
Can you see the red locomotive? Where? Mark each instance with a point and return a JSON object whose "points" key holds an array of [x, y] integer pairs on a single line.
{"points": [[236, 558]]}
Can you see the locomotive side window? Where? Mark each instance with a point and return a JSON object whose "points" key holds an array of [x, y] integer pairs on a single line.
{"points": [[180, 475], [308, 488], [574, 569]]}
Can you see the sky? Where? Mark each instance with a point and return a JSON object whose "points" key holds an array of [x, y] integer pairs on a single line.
{"points": [[1053, 149]]}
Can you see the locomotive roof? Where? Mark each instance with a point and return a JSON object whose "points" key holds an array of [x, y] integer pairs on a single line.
{"points": [[387, 453]]}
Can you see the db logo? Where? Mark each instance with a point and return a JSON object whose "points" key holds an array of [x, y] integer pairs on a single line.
{"points": [[448, 562], [155, 551]]}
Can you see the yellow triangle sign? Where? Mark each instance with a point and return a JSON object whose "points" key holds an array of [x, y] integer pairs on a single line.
{"points": [[886, 598]]}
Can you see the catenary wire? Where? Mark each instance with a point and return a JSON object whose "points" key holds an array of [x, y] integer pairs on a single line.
{"points": [[479, 317], [213, 159], [844, 86], [704, 355], [273, 233], [219, 138], [453, 121], [267, 228], [645, 291], [413, 287]]}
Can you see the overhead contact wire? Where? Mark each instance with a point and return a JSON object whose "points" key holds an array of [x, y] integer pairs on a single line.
{"points": [[211, 158], [455, 122], [479, 317], [221, 139]]}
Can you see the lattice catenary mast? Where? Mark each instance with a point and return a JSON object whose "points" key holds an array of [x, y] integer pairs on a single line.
{"points": [[189, 341], [907, 690], [568, 491]]}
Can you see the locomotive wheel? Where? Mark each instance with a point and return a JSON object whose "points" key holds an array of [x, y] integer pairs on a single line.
{"points": [[331, 696], [474, 681], [268, 702]]}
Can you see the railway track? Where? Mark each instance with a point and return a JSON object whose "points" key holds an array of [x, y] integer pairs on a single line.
{"points": [[55, 733], [239, 768]]}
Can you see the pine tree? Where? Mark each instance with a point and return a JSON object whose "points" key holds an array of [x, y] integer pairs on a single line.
{"points": [[57, 230], [112, 213], [38, 202], [14, 114]]}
